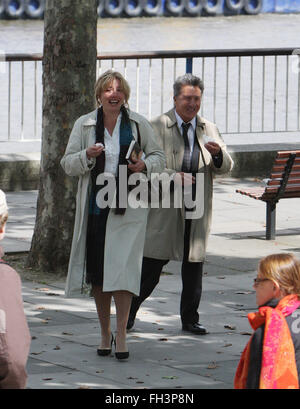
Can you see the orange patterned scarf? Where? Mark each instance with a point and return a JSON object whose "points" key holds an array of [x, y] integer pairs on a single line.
{"points": [[278, 369]]}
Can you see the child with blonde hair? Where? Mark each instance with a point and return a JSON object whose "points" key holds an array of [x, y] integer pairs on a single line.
{"points": [[271, 359]]}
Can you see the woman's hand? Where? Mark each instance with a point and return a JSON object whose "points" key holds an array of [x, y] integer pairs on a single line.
{"points": [[94, 151]]}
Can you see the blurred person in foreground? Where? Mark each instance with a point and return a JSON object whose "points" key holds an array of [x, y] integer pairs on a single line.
{"points": [[271, 359], [14, 332]]}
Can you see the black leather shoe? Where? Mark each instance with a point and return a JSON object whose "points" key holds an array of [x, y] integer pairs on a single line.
{"points": [[196, 328]]}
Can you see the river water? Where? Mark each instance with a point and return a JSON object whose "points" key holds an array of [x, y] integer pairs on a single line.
{"points": [[168, 33], [161, 33]]}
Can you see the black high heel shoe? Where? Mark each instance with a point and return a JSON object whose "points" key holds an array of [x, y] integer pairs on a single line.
{"points": [[106, 351], [121, 355]]}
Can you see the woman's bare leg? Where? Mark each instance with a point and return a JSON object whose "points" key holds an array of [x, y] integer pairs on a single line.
{"points": [[103, 304], [123, 303]]}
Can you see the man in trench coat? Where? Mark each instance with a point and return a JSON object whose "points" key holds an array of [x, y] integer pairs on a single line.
{"points": [[193, 150]]}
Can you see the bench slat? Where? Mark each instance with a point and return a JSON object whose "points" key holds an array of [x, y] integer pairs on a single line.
{"points": [[277, 181], [278, 168], [255, 193], [279, 175], [286, 154], [287, 195], [289, 188], [283, 161], [268, 193]]}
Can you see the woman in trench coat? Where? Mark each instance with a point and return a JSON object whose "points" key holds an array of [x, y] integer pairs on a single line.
{"points": [[107, 246]]}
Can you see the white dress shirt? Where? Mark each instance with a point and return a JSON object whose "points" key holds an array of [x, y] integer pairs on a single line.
{"points": [[112, 148]]}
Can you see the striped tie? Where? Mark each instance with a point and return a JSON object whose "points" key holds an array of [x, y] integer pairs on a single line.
{"points": [[186, 164]]}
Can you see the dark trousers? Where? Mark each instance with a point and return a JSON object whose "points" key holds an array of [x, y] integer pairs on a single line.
{"points": [[191, 274]]}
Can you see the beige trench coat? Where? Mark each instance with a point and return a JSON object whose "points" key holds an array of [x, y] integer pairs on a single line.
{"points": [[165, 228], [125, 234]]}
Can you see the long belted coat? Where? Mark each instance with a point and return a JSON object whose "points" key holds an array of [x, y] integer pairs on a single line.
{"points": [[125, 234], [165, 228]]}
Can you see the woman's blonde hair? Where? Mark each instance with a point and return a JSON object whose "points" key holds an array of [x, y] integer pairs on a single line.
{"points": [[105, 79], [284, 270], [3, 219]]}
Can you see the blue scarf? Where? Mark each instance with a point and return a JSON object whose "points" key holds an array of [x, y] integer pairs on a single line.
{"points": [[126, 137]]}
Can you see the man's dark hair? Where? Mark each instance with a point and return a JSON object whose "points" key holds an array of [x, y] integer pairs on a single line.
{"points": [[187, 79]]}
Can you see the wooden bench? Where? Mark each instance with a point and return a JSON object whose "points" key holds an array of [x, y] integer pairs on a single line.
{"points": [[283, 183]]}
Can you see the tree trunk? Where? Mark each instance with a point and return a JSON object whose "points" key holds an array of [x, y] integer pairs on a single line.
{"points": [[69, 73]]}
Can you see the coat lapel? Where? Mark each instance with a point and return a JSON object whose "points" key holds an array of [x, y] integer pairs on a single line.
{"points": [[90, 130]]}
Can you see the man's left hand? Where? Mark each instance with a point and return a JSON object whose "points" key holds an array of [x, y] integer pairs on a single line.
{"points": [[213, 148]]}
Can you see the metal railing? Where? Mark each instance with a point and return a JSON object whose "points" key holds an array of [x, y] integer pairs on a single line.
{"points": [[246, 91]]}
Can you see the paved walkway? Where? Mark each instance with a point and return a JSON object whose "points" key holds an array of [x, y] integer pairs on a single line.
{"points": [[66, 331]]}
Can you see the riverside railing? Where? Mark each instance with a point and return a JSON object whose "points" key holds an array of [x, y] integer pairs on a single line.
{"points": [[246, 91]]}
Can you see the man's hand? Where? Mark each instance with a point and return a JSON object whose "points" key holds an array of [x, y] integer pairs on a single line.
{"points": [[213, 148], [182, 178], [137, 166]]}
